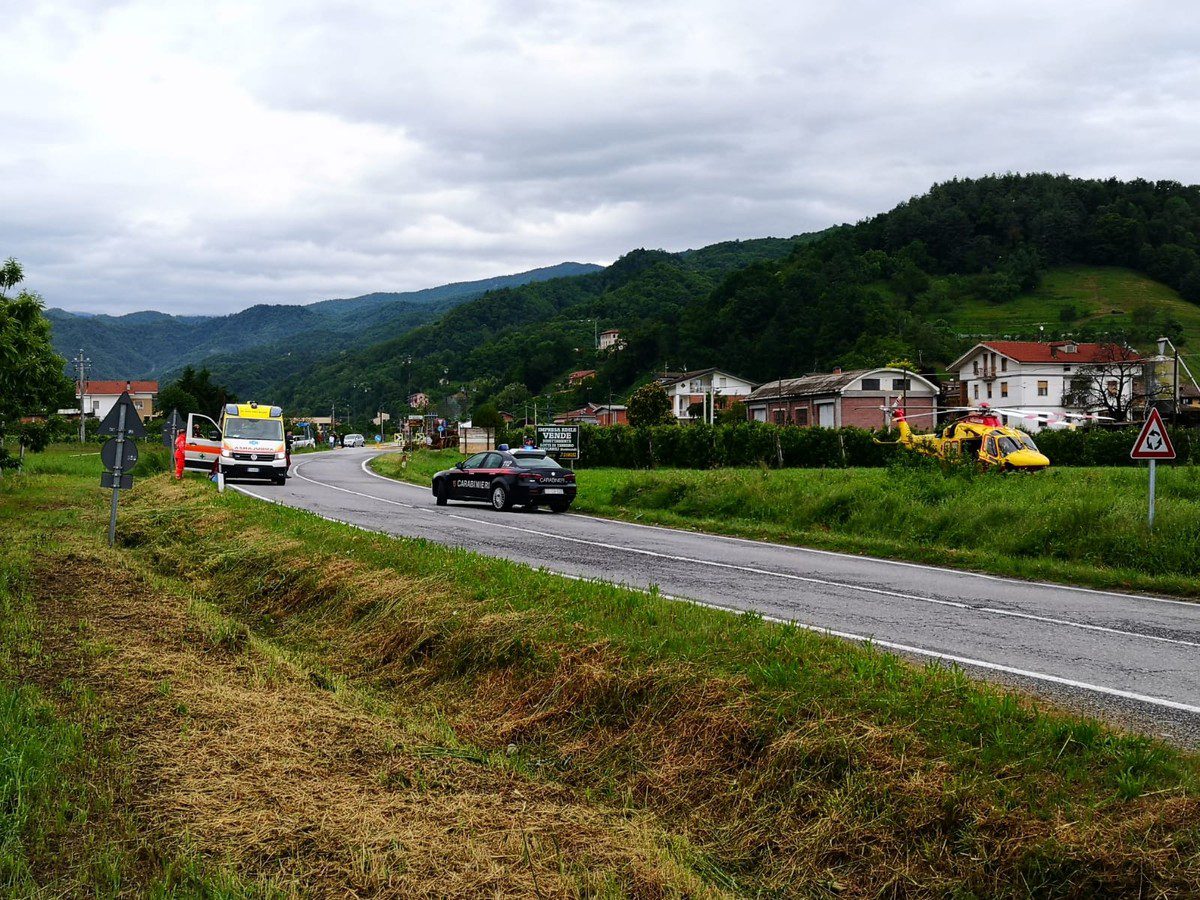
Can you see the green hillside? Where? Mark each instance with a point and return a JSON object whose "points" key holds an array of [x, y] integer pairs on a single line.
{"points": [[1027, 256], [145, 344], [535, 333], [1099, 299]]}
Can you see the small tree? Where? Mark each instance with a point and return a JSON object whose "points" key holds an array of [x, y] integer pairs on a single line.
{"points": [[174, 397], [650, 405], [487, 416], [734, 414], [1112, 384], [32, 376]]}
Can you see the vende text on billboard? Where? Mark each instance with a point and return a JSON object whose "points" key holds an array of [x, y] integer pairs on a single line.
{"points": [[561, 441]]}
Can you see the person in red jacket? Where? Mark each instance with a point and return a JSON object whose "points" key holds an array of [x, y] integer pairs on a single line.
{"points": [[180, 440]]}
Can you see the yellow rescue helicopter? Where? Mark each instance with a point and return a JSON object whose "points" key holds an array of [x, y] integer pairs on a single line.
{"points": [[981, 434]]}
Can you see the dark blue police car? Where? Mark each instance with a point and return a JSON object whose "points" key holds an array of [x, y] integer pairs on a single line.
{"points": [[505, 478]]}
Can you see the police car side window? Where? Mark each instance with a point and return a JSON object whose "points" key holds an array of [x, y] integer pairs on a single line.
{"points": [[493, 461], [474, 462]]}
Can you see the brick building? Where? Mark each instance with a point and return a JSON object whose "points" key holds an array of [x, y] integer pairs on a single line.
{"points": [[842, 398]]}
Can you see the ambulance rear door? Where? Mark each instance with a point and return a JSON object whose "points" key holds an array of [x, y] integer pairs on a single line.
{"points": [[203, 444]]}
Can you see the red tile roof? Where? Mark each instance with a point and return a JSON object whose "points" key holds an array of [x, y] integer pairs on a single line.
{"points": [[116, 388], [1041, 352]]}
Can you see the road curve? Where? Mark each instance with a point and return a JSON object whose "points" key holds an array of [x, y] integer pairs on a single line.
{"points": [[1130, 659]]}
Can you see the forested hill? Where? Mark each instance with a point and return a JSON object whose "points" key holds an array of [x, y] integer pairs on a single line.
{"points": [[531, 334], [151, 344], [888, 287]]}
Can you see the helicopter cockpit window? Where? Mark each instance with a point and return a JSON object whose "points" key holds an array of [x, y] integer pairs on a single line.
{"points": [[1027, 443], [1009, 445], [991, 446]]}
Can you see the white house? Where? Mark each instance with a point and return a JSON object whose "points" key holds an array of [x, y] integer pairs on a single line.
{"points": [[1035, 375], [687, 388], [99, 397], [610, 338]]}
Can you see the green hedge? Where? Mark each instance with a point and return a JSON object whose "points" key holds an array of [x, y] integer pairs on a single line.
{"points": [[757, 443], [746, 444]]}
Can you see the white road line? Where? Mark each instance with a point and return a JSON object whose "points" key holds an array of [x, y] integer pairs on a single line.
{"points": [[808, 579], [856, 557], [845, 635]]}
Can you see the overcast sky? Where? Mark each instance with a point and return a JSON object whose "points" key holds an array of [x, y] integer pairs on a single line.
{"points": [[202, 157]]}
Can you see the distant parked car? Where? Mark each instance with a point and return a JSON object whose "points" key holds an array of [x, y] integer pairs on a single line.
{"points": [[354, 440]]}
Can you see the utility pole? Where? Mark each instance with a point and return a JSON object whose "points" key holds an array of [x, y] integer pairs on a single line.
{"points": [[82, 366]]}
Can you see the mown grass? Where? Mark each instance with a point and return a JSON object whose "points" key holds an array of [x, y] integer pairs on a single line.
{"points": [[1083, 526], [63, 775], [739, 731], [794, 763]]}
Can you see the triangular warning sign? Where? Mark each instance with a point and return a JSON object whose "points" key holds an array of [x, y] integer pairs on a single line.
{"points": [[1153, 442], [133, 423]]}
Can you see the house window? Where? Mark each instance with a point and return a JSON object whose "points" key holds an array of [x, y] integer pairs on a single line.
{"points": [[870, 384], [779, 417], [95, 406], [1043, 389], [989, 391], [1004, 389], [1004, 364], [900, 384], [1112, 389], [975, 367], [801, 415], [1066, 368], [976, 386]]}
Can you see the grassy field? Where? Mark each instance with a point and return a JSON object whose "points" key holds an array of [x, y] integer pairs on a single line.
{"points": [[1084, 526], [271, 702], [1103, 297]]}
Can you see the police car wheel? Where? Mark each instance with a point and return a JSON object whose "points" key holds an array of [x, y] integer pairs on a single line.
{"points": [[443, 493], [500, 499]]}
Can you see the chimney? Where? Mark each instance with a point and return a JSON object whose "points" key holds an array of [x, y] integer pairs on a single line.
{"points": [[837, 370]]}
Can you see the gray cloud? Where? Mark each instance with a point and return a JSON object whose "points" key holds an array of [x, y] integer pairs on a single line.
{"points": [[200, 159]]}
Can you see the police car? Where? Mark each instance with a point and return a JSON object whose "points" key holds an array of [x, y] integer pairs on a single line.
{"points": [[526, 477]]}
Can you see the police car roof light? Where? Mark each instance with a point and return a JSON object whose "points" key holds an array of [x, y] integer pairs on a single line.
{"points": [[276, 411]]}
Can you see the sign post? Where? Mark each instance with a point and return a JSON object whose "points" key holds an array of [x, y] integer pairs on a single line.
{"points": [[560, 441], [1153, 444], [119, 453], [171, 427]]}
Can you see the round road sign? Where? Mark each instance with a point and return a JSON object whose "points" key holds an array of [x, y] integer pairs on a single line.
{"points": [[129, 454]]}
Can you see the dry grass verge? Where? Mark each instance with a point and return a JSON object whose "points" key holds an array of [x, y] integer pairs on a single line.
{"points": [[783, 782], [346, 714]]}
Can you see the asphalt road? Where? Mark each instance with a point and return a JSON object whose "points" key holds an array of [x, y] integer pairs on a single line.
{"points": [[1127, 658]]}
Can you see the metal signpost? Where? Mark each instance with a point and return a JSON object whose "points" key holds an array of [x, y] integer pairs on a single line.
{"points": [[119, 453], [1153, 444], [171, 428], [560, 441]]}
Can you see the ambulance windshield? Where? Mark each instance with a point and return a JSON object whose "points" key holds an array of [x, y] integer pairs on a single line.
{"points": [[254, 429]]}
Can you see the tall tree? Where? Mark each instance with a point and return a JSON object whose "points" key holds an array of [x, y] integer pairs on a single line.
{"points": [[32, 375]]}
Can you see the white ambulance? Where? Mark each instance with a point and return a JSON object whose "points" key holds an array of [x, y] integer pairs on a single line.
{"points": [[249, 442]]}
